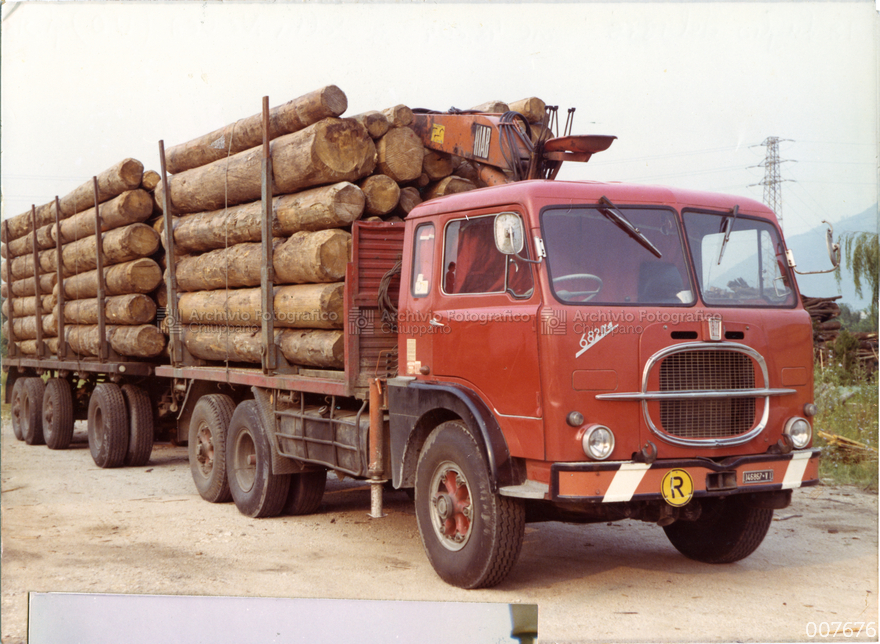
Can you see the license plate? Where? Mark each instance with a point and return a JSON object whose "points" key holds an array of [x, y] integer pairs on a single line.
{"points": [[758, 476]]}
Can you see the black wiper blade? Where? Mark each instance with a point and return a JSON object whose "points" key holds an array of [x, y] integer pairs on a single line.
{"points": [[611, 211], [730, 222]]}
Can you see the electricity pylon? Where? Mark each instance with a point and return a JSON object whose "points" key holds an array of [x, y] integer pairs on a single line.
{"points": [[772, 179]]}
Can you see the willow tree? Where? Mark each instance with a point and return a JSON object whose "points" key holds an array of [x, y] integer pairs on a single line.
{"points": [[862, 257]]}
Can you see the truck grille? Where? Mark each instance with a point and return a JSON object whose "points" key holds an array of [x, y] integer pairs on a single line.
{"points": [[707, 417]]}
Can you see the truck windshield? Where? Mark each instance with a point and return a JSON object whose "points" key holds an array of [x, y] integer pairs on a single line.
{"points": [[593, 260], [751, 271]]}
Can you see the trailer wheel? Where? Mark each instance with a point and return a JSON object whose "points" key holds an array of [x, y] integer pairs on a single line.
{"points": [[32, 408], [58, 414], [306, 492], [728, 530], [257, 492], [471, 535], [140, 419], [108, 425], [16, 408], [208, 428]]}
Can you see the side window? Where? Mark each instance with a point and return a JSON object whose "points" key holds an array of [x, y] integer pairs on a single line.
{"points": [[472, 264], [423, 261]]}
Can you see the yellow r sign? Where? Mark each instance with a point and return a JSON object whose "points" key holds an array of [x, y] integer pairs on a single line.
{"points": [[677, 487]]}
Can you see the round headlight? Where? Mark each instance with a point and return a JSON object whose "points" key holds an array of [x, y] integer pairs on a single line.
{"points": [[598, 442], [800, 432]]}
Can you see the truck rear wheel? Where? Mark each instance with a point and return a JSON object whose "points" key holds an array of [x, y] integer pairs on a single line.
{"points": [[306, 492], [16, 408], [58, 414], [471, 535], [728, 530], [140, 426], [32, 411], [257, 492], [108, 425], [208, 428]]}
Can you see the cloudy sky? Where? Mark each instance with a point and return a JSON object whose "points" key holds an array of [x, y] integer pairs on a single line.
{"points": [[690, 89]]}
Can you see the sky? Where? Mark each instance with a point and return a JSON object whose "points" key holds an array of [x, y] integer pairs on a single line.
{"points": [[691, 90]]}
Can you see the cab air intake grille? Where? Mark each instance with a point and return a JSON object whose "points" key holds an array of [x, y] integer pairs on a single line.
{"points": [[707, 417]]}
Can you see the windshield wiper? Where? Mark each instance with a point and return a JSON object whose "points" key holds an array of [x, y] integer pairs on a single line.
{"points": [[611, 211], [730, 222]]}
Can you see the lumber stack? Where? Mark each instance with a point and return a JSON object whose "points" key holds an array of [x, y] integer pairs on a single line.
{"points": [[824, 313], [125, 203]]}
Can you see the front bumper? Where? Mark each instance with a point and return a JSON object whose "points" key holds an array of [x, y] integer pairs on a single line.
{"points": [[672, 479]]}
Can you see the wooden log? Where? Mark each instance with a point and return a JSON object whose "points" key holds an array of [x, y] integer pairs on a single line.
{"points": [[24, 306], [466, 170], [160, 295], [312, 348], [381, 194], [125, 175], [26, 286], [310, 257], [491, 107], [333, 206], [447, 186], [137, 276], [375, 123], [25, 245], [120, 245], [316, 306], [399, 116], [327, 152], [436, 165], [135, 308], [247, 133], [26, 328], [29, 347], [150, 180], [409, 199], [131, 207], [400, 153], [234, 267], [144, 341], [532, 108]]}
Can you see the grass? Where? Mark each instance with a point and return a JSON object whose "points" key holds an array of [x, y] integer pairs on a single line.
{"points": [[848, 408]]}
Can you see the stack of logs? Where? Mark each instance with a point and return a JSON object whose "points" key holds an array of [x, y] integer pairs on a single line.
{"points": [[129, 273], [327, 172], [826, 327]]}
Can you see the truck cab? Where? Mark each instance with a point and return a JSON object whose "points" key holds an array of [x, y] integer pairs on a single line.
{"points": [[614, 351]]}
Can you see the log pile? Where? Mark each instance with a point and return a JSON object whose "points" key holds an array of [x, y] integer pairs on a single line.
{"points": [[125, 203], [328, 171], [824, 313]]}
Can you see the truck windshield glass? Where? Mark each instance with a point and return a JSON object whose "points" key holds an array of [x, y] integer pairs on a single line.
{"points": [[752, 271], [593, 260]]}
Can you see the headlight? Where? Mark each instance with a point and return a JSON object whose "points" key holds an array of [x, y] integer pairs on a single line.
{"points": [[799, 431], [598, 442]]}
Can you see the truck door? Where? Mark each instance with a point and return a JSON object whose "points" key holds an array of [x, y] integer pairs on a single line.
{"points": [[488, 308]]}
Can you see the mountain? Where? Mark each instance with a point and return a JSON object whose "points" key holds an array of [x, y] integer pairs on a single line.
{"points": [[811, 254]]}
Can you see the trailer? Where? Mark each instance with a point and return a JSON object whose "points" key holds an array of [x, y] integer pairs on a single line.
{"points": [[534, 350]]}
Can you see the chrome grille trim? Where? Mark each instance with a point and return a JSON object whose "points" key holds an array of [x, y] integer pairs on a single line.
{"points": [[764, 393]]}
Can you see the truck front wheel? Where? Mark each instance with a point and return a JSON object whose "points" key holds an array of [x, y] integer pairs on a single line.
{"points": [[257, 492], [471, 535], [728, 530]]}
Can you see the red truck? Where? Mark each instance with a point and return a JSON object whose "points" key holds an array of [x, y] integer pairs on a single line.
{"points": [[534, 350]]}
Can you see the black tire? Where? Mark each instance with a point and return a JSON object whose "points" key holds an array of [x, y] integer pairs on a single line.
{"points": [[140, 426], [472, 537], [32, 411], [728, 530], [306, 492], [108, 425], [58, 414], [208, 428], [257, 492], [16, 409]]}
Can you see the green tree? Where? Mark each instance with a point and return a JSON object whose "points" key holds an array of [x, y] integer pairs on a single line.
{"points": [[862, 257]]}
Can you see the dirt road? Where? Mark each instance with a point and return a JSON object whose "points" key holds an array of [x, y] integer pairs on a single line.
{"points": [[70, 526]]}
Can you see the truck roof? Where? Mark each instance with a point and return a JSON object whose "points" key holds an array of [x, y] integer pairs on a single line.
{"points": [[539, 193]]}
